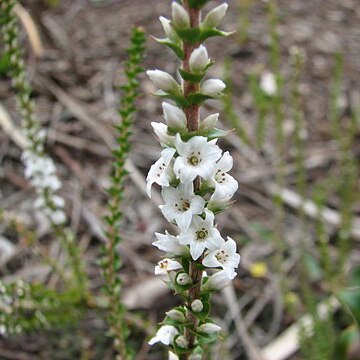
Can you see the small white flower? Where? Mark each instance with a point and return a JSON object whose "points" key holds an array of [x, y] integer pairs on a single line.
{"points": [[166, 265], [180, 16], [214, 17], [201, 235], [165, 335], [176, 315], [174, 117], [212, 87], [225, 184], [199, 59], [182, 342], [197, 157], [172, 356], [208, 328], [166, 24], [163, 80], [181, 204], [184, 279], [217, 281], [161, 172], [170, 244], [208, 123], [226, 257], [268, 83], [197, 305], [161, 131]]}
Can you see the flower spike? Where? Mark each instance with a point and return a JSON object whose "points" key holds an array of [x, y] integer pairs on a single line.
{"points": [[193, 174]]}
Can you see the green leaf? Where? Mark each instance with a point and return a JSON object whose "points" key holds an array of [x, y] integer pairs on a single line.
{"points": [[175, 47], [197, 98], [208, 33], [180, 100], [350, 297], [190, 35], [193, 78], [347, 339], [217, 133]]}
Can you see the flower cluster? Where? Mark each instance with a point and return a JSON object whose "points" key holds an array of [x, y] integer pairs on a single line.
{"points": [[39, 168], [193, 173]]}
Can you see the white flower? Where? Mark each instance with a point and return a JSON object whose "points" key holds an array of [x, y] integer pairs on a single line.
{"points": [[197, 305], [174, 117], [197, 157], [212, 87], [170, 244], [161, 131], [184, 279], [172, 356], [208, 328], [166, 265], [201, 235], [165, 335], [268, 83], [180, 16], [161, 172], [166, 24], [226, 257], [217, 281], [199, 59], [208, 123], [176, 315], [163, 80], [214, 17], [181, 204], [225, 184]]}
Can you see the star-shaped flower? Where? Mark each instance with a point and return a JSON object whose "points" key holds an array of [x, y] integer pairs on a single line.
{"points": [[201, 235], [197, 157], [225, 184], [161, 172], [225, 256], [181, 204]]}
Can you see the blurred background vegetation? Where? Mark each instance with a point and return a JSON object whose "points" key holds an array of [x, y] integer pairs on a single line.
{"points": [[293, 99]]}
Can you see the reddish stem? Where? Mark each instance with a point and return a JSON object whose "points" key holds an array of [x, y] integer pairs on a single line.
{"points": [[192, 116]]}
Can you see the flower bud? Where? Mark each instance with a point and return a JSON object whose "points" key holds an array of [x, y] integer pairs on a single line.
{"points": [[197, 305], [180, 16], [182, 342], [184, 279], [212, 87], [209, 122], [217, 281], [166, 24], [161, 133], [199, 59], [176, 315], [214, 17], [174, 117], [208, 328], [163, 80]]}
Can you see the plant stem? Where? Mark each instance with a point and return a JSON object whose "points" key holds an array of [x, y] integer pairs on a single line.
{"points": [[192, 117]]}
